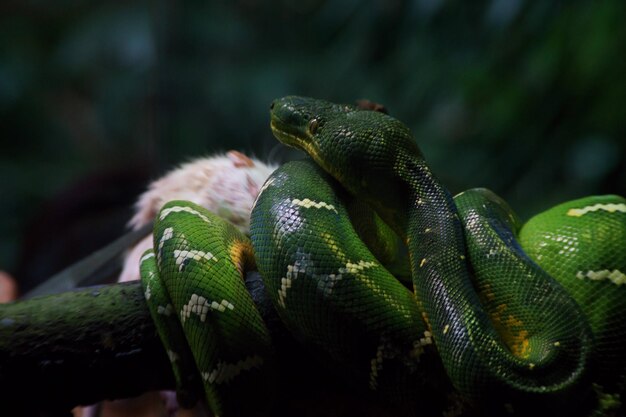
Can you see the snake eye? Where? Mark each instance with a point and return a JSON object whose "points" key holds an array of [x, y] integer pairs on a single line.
{"points": [[313, 125]]}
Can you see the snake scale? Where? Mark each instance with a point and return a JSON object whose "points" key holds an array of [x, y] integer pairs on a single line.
{"points": [[514, 329]]}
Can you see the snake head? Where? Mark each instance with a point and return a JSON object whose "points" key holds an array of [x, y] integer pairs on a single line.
{"points": [[362, 148], [298, 122]]}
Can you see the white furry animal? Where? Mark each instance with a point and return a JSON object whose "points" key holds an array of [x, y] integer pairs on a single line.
{"points": [[227, 185]]}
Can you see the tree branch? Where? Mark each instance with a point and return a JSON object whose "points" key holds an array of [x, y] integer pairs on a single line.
{"points": [[79, 347], [97, 343]]}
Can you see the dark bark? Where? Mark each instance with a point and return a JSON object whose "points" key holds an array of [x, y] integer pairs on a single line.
{"points": [[79, 347], [98, 343]]}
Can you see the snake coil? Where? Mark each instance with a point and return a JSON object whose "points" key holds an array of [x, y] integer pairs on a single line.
{"points": [[507, 328]]}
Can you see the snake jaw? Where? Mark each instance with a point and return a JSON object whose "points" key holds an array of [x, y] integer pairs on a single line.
{"points": [[294, 138], [280, 132]]}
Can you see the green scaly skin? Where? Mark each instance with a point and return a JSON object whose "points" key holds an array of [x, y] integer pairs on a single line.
{"points": [[334, 295], [505, 331], [582, 243], [193, 281], [375, 157]]}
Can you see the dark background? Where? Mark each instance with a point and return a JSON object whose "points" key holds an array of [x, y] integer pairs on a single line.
{"points": [[97, 98]]}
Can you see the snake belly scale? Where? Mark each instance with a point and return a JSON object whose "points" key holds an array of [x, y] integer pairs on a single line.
{"points": [[494, 318]]}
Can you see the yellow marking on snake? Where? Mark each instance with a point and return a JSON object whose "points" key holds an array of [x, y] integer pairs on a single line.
{"points": [[512, 331], [352, 268], [197, 255], [610, 207], [616, 276], [334, 245], [178, 209], [426, 319], [240, 253], [199, 305], [356, 268], [307, 203], [427, 339], [225, 372]]}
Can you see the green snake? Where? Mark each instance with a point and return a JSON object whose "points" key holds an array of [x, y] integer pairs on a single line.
{"points": [[512, 328]]}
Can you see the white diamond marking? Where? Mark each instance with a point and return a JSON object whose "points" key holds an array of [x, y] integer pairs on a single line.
{"points": [[197, 255], [224, 372], [616, 276], [178, 209], [610, 207], [166, 311], [307, 203], [200, 306]]}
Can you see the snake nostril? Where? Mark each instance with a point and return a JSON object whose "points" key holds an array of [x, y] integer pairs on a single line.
{"points": [[272, 105]]}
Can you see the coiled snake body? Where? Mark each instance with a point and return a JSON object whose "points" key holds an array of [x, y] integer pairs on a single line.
{"points": [[499, 323]]}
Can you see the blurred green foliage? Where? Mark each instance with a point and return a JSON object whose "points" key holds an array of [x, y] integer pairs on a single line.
{"points": [[526, 98]]}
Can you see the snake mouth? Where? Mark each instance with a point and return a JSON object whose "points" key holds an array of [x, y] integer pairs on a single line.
{"points": [[285, 133], [293, 137]]}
